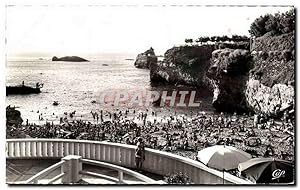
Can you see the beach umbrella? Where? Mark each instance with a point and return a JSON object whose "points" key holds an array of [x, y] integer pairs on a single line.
{"points": [[267, 170], [222, 157]]}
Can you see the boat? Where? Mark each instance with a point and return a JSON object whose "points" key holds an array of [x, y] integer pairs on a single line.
{"points": [[22, 89], [55, 103]]}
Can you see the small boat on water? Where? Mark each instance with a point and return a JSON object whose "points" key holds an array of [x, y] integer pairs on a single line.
{"points": [[22, 89], [55, 103]]}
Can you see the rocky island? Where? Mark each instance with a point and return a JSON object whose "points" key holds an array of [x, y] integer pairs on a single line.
{"points": [[69, 58], [23, 89], [144, 60]]}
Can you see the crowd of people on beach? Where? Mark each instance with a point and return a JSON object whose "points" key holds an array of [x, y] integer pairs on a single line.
{"points": [[183, 134]]}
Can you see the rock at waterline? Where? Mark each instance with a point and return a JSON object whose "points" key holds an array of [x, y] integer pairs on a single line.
{"points": [[144, 60], [13, 116], [69, 58]]}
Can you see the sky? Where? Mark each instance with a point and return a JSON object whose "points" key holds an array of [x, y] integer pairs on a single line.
{"points": [[69, 30]]}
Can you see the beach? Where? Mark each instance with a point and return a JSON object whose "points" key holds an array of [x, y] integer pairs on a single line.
{"points": [[180, 133]]}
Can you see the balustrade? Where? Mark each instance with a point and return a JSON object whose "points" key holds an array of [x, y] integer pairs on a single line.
{"points": [[158, 162]]}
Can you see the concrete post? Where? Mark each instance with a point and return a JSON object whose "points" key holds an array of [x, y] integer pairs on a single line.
{"points": [[71, 168], [120, 175]]}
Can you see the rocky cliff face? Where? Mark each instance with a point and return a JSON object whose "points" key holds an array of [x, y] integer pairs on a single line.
{"points": [[243, 79], [144, 60], [261, 80], [269, 100], [185, 65], [270, 88], [228, 73]]}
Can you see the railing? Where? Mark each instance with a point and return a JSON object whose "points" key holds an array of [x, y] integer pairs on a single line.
{"points": [[72, 173], [121, 171], [34, 179], [156, 161]]}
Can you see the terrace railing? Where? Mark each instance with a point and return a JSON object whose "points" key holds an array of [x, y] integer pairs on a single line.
{"points": [[158, 162], [35, 179]]}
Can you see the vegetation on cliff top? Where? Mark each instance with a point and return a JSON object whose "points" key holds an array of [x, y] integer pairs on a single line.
{"points": [[221, 42], [273, 49], [276, 24], [213, 39]]}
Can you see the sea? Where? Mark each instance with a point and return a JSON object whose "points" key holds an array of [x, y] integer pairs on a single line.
{"points": [[78, 86]]}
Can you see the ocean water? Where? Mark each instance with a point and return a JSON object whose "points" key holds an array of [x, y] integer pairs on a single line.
{"points": [[73, 84]]}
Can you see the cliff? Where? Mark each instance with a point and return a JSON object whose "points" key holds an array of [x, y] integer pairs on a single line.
{"points": [[145, 59], [228, 75], [270, 88], [185, 65], [69, 58], [261, 80], [245, 76]]}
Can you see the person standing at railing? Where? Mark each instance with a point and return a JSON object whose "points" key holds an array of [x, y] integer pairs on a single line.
{"points": [[139, 154]]}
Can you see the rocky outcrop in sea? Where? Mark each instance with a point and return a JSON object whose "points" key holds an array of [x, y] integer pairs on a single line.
{"points": [[69, 58], [144, 60]]}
